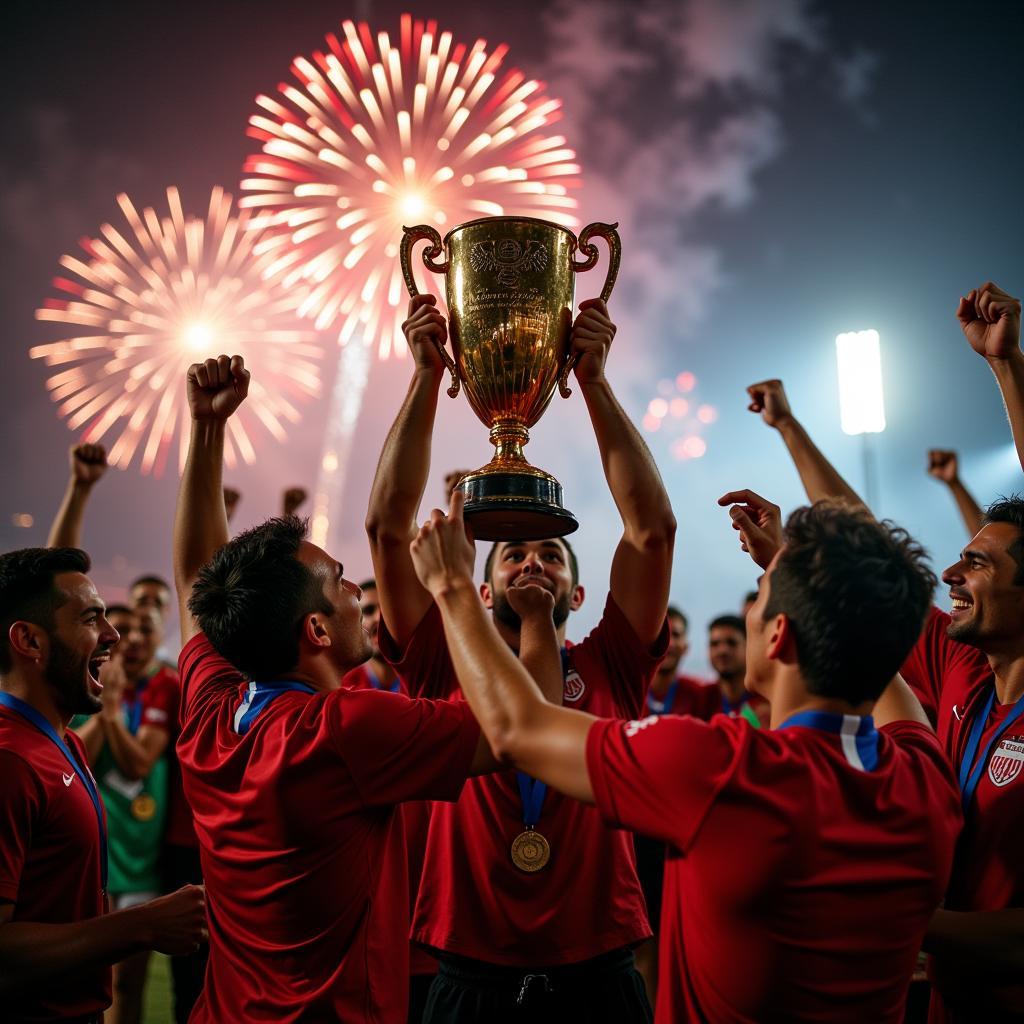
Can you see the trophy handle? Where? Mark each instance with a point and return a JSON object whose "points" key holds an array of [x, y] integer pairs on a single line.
{"points": [[409, 239], [589, 250]]}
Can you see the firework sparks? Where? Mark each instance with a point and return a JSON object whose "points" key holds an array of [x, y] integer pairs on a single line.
{"points": [[676, 414], [172, 290], [377, 135]]}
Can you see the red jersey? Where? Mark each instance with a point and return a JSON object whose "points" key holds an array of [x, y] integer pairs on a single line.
{"points": [[988, 874], [586, 901], [416, 818], [687, 695], [49, 860], [796, 882], [303, 854]]}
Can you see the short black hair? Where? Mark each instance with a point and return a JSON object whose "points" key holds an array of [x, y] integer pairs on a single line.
{"points": [[750, 597], [729, 621], [28, 592], [574, 565], [672, 612], [855, 591], [1010, 510], [119, 609], [368, 584], [250, 598], [158, 581]]}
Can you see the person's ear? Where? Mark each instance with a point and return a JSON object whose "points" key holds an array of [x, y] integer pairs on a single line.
{"points": [[314, 631], [576, 599], [28, 641], [487, 595], [781, 644]]}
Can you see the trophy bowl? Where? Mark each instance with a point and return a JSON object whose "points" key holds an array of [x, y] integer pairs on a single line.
{"points": [[509, 287]]}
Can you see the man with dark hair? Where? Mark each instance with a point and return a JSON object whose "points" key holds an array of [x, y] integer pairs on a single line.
{"points": [[727, 652], [293, 778], [967, 668], [56, 940], [151, 592], [806, 859], [531, 902]]}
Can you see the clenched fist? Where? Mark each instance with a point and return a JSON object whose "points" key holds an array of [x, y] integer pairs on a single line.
{"points": [[88, 463], [990, 320], [768, 397], [217, 387], [942, 465]]}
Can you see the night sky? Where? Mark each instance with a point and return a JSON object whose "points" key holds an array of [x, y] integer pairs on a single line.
{"points": [[781, 172]]}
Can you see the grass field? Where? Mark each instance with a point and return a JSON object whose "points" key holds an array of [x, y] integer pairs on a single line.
{"points": [[157, 1009]]}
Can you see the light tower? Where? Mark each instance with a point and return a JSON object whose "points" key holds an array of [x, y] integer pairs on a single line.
{"points": [[861, 401]]}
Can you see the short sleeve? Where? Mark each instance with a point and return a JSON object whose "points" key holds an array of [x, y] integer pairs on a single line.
{"points": [[661, 775], [424, 665], [628, 663], [933, 658], [21, 799], [204, 674], [160, 701], [397, 748]]}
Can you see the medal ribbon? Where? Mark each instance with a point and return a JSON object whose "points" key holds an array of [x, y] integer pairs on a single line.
{"points": [[134, 707], [258, 696], [969, 778], [742, 709], [858, 735], [662, 707], [33, 717], [378, 685], [532, 791]]}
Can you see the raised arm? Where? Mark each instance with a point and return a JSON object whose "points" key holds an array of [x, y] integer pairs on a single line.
{"points": [[215, 390], [547, 741], [820, 478], [990, 319], [942, 464], [642, 564], [402, 476], [88, 464]]}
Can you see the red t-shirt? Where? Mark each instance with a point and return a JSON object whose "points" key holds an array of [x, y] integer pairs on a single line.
{"points": [[302, 852], [416, 818], [795, 882], [50, 860], [988, 871], [688, 695], [586, 901]]}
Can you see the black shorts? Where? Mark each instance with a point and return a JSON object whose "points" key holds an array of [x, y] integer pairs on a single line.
{"points": [[606, 988]]}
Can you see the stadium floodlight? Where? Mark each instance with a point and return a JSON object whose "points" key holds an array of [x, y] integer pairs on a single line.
{"points": [[861, 404]]}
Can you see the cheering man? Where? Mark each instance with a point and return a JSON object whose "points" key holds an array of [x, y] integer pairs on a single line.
{"points": [[807, 859]]}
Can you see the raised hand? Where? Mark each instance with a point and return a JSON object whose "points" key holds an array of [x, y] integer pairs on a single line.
{"points": [[591, 338], [451, 480], [442, 553], [426, 331], [113, 680], [759, 523], [217, 387], [178, 921], [942, 465], [768, 397], [990, 320], [292, 499], [530, 599], [88, 463]]}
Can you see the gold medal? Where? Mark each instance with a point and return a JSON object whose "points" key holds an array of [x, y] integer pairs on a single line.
{"points": [[143, 807], [530, 851]]}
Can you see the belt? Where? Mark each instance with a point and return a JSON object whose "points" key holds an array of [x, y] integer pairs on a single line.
{"points": [[531, 983]]}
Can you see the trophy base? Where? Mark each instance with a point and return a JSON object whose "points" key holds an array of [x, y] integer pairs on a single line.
{"points": [[515, 506]]}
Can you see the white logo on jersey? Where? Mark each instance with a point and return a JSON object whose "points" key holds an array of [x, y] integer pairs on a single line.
{"points": [[632, 728], [68, 779], [574, 687], [1005, 764], [957, 713]]}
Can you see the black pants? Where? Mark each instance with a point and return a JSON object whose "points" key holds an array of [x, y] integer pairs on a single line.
{"points": [[607, 988], [181, 867]]}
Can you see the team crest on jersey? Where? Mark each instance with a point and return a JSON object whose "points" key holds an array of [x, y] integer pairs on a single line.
{"points": [[1006, 763], [574, 687]]}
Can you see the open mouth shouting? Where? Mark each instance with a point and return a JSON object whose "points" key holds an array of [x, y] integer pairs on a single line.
{"points": [[96, 663], [961, 603]]}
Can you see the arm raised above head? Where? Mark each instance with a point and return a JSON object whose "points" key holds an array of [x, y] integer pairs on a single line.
{"points": [[216, 388]]}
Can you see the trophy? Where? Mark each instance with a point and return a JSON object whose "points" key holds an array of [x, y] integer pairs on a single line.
{"points": [[509, 285]]}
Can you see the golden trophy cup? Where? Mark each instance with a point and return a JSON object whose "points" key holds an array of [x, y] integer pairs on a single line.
{"points": [[509, 284]]}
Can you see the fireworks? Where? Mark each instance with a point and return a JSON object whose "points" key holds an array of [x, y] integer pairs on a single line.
{"points": [[376, 136], [153, 300]]}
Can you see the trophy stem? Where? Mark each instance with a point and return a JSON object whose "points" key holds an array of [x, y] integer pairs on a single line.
{"points": [[508, 438]]}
